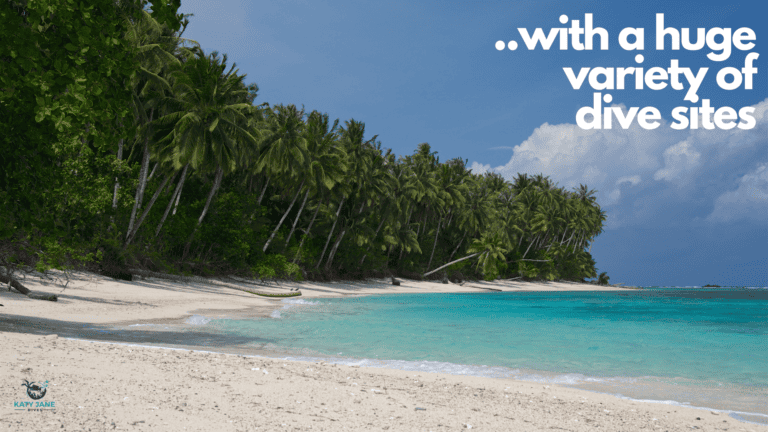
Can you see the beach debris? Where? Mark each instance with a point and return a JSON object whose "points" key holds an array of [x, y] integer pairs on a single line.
{"points": [[419, 409], [395, 282], [468, 426], [254, 368]]}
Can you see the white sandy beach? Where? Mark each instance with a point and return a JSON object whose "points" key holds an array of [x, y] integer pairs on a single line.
{"points": [[105, 386]]}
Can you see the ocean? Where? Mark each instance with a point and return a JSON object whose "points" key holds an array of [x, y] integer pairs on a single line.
{"points": [[697, 347]]}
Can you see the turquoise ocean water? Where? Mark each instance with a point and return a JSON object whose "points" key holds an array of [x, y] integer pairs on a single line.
{"points": [[698, 347]]}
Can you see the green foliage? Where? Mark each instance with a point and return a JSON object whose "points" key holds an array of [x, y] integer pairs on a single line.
{"points": [[603, 279], [64, 65], [55, 255], [276, 266], [96, 96]]}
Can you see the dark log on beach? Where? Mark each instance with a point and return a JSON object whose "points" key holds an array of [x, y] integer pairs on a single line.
{"points": [[15, 284], [24, 290]]}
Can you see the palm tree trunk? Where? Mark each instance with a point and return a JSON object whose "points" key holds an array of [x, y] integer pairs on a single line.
{"points": [[176, 192], [306, 233], [296, 221], [117, 180], [434, 246], [450, 263], [214, 188], [152, 174], [330, 233], [457, 246], [142, 180], [140, 189], [274, 233], [147, 209], [402, 248], [526, 251], [374, 238], [262, 191], [333, 250]]}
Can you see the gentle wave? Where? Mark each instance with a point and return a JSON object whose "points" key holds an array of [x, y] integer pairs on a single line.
{"points": [[289, 303], [469, 370], [569, 380], [197, 320]]}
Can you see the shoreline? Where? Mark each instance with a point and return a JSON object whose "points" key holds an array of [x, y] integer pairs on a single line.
{"points": [[97, 299], [78, 365]]}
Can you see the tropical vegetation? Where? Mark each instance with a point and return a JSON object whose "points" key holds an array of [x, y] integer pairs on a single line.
{"points": [[126, 145]]}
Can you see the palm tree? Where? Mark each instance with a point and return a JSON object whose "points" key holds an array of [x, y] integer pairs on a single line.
{"points": [[210, 126], [603, 279], [352, 140], [284, 151], [327, 165], [492, 249], [156, 45]]}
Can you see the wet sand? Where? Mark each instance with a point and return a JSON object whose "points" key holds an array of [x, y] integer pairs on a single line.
{"points": [[106, 386]]}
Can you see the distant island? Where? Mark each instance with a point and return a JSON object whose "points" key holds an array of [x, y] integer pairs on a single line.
{"points": [[711, 286]]}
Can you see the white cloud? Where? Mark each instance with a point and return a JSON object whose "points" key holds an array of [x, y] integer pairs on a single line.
{"points": [[614, 196], [477, 168], [615, 161], [678, 160], [633, 180], [748, 201], [598, 158]]}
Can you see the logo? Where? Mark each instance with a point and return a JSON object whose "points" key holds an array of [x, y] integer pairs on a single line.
{"points": [[34, 390]]}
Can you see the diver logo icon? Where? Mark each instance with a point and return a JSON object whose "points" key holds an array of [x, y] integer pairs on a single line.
{"points": [[35, 390]]}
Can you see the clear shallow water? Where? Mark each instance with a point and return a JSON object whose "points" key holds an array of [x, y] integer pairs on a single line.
{"points": [[702, 347]]}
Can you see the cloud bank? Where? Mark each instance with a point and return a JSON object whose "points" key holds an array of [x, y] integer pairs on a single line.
{"points": [[721, 176]]}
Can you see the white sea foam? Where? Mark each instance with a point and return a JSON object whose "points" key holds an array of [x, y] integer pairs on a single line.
{"points": [[197, 320], [738, 415], [459, 369], [289, 303]]}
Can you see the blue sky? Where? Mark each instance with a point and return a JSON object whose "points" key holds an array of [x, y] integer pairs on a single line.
{"points": [[684, 207]]}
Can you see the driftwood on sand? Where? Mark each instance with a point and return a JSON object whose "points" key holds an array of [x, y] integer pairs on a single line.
{"points": [[15, 284]]}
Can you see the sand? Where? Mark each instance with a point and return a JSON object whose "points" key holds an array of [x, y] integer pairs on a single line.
{"points": [[108, 386]]}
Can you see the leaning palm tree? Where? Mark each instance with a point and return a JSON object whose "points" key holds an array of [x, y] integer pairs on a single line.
{"points": [[210, 125], [325, 168], [284, 152], [156, 45]]}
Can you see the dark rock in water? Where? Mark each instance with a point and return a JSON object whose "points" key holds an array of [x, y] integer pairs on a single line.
{"points": [[395, 282]]}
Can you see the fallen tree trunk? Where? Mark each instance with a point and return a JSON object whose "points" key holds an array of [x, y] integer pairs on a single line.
{"points": [[24, 290], [450, 263]]}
